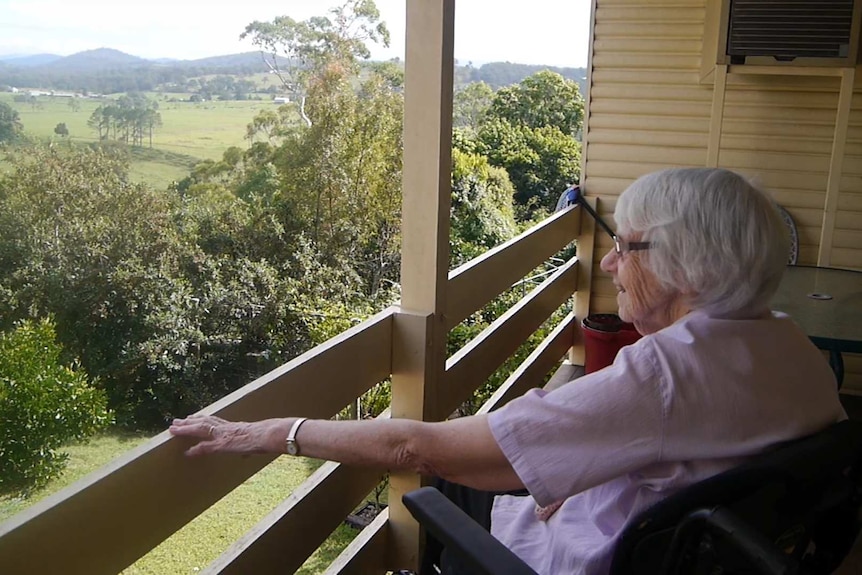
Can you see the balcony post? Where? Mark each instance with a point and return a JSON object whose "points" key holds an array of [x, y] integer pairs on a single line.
{"points": [[419, 344], [586, 257]]}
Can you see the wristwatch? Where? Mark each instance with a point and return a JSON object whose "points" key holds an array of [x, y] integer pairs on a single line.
{"points": [[292, 445]]}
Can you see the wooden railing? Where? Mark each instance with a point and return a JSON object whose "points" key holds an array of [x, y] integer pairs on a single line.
{"points": [[108, 520]]}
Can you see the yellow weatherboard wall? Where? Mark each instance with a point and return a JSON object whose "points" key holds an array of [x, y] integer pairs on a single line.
{"points": [[652, 105]]}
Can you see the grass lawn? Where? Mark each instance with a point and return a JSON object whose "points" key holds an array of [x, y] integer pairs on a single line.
{"points": [[200, 542]]}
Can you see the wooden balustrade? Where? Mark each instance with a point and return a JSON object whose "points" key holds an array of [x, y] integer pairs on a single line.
{"points": [[480, 280], [109, 519], [106, 521]]}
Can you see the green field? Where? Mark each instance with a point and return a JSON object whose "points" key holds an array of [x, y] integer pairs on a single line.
{"points": [[197, 544], [190, 131]]}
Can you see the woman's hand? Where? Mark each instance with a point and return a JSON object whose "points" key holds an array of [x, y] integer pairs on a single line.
{"points": [[217, 435]]}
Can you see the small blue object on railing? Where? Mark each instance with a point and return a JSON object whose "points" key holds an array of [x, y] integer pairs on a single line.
{"points": [[568, 198]]}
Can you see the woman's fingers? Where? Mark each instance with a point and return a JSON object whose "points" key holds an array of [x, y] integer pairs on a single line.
{"points": [[201, 448], [215, 435], [198, 420], [200, 429], [190, 429]]}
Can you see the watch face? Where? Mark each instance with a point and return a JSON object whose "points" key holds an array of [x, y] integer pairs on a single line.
{"points": [[292, 448]]}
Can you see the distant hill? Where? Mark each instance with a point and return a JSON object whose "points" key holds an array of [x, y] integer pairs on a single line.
{"points": [[95, 60], [29, 61], [109, 71], [243, 59]]}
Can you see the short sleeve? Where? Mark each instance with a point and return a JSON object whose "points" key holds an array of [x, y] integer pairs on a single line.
{"points": [[588, 431]]}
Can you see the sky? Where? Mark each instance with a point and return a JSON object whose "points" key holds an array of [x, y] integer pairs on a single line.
{"points": [[552, 32]]}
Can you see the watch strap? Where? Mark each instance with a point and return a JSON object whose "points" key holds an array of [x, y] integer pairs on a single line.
{"points": [[291, 444]]}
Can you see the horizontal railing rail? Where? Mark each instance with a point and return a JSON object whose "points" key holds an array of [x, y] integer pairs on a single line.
{"points": [[367, 553]]}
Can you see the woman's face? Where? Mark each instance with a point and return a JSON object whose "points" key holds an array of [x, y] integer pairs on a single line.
{"points": [[641, 297]]}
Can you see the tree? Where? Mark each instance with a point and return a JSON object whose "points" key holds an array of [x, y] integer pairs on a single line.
{"points": [[470, 105], [482, 213], [298, 51], [61, 130], [342, 175], [152, 119], [543, 99], [74, 105], [270, 123], [100, 121], [541, 162], [79, 243], [174, 298], [10, 123], [129, 119], [529, 129]]}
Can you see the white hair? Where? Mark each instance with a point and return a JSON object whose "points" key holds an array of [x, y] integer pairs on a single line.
{"points": [[715, 237]]}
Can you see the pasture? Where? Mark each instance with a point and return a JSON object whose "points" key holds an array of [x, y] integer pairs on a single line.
{"points": [[190, 132]]}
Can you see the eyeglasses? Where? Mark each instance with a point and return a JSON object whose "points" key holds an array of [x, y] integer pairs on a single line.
{"points": [[621, 246]]}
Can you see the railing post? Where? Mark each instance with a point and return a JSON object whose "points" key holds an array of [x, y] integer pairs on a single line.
{"points": [[586, 254], [419, 345]]}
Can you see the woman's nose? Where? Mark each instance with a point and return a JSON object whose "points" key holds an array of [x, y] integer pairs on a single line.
{"points": [[609, 262]]}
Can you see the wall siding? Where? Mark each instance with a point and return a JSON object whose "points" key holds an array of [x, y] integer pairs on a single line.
{"points": [[648, 110]]}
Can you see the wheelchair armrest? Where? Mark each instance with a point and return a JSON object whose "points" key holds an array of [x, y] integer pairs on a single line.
{"points": [[460, 534]]}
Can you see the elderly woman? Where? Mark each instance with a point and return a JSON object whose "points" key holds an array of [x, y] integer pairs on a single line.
{"points": [[716, 378]]}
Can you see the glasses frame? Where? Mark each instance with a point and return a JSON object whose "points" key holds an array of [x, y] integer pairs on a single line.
{"points": [[621, 246]]}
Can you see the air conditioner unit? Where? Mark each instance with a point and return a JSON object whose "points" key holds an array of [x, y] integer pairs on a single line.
{"points": [[790, 32]]}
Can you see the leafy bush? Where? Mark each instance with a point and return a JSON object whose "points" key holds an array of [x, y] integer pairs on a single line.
{"points": [[43, 404]]}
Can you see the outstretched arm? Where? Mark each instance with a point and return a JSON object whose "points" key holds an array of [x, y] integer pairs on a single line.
{"points": [[461, 450]]}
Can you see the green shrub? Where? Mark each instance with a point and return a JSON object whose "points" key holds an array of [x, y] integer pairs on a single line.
{"points": [[43, 404]]}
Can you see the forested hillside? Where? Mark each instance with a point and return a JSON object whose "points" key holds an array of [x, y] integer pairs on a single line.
{"points": [[163, 300], [107, 71]]}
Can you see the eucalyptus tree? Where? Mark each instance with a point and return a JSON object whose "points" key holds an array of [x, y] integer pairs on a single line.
{"points": [[298, 51], [100, 121], [470, 105], [127, 119], [270, 124]]}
